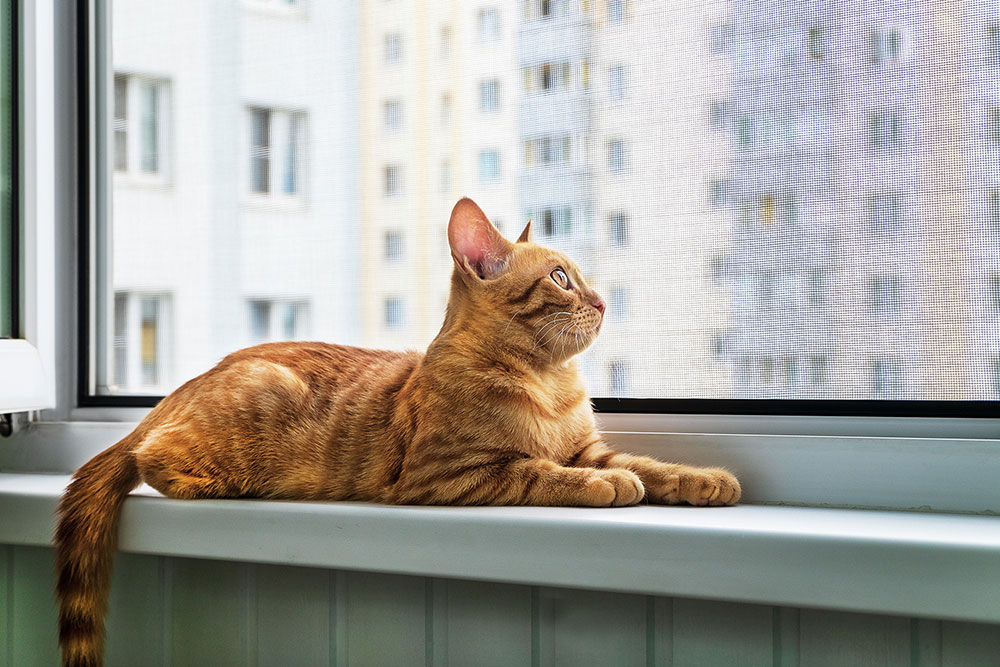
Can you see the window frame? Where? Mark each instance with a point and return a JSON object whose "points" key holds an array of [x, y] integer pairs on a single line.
{"points": [[634, 413], [29, 358]]}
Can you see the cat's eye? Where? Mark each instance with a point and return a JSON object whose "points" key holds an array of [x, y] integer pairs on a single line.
{"points": [[560, 278]]}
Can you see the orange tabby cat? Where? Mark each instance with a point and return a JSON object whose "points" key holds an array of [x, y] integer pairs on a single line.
{"points": [[495, 413]]}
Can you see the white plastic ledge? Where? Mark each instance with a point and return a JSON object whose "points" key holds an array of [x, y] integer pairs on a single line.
{"points": [[928, 565]]}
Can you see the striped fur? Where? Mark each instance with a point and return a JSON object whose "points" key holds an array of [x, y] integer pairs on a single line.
{"points": [[494, 413]]}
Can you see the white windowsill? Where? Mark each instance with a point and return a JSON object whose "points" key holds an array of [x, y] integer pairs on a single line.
{"points": [[928, 565]]}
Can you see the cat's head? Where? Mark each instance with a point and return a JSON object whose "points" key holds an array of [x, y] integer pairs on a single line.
{"points": [[518, 295]]}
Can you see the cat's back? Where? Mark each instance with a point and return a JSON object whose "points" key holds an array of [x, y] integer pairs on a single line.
{"points": [[317, 362]]}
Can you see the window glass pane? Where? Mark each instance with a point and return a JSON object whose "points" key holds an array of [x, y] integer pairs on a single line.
{"points": [[7, 166], [796, 201]]}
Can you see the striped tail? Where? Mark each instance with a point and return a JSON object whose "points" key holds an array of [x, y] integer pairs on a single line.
{"points": [[86, 537]]}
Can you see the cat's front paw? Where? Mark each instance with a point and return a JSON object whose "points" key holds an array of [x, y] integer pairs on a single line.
{"points": [[614, 488], [697, 486]]}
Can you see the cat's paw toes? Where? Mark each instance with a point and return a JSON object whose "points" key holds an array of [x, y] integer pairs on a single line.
{"points": [[614, 488], [700, 486]]}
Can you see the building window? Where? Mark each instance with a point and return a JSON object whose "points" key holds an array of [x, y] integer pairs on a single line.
{"points": [[884, 128], [260, 150], [718, 346], [547, 150], [489, 166], [445, 42], [818, 369], [817, 43], [617, 156], [996, 375], [718, 115], [393, 114], [547, 77], [767, 289], [887, 378], [994, 292], [884, 214], [140, 125], [141, 328], [392, 180], [270, 320], [817, 288], [618, 304], [718, 192], [393, 48], [993, 120], [790, 370], [993, 208], [618, 372], [276, 141], [445, 176], [884, 46], [767, 211], [489, 95], [721, 37], [393, 246], [445, 109], [121, 123], [554, 221], [993, 44], [767, 370], [394, 317], [488, 24], [616, 12], [618, 224], [884, 295], [617, 82]]}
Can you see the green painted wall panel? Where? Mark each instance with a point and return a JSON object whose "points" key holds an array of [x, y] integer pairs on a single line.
{"points": [[167, 611], [137, 612], [386, 619], [487, 624], [710, 633], [293, 615], [592, 628], [839, 638], [208, 604], [33, 609], [970, 644]]}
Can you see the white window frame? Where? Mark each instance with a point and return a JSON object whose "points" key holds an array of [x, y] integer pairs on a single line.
{"points": [[29, 378]]}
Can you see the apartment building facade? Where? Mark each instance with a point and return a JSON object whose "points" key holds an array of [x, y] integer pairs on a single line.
{"points": [[235, 204]]}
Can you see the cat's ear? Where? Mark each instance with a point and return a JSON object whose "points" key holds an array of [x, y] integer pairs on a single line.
{"points": [[476, 245], [523, 238]]}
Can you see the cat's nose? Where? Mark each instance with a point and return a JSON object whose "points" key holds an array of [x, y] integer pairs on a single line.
{"points": [[599, 304]]}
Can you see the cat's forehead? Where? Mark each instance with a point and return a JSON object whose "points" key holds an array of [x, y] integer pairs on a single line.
{"points": [[531, 256]]}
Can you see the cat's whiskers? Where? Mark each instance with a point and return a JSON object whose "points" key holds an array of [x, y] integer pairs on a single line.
{"points": [[504, 332], [561, 312], [561, 335], [550, 325], [551, 332]]}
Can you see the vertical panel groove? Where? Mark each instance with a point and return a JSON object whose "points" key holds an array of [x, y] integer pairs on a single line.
{"points": [[535, 639], [166, 601], [650, 631], [428, 622], [248, 621], [8, 599], [786, 636], [334, 617]]}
